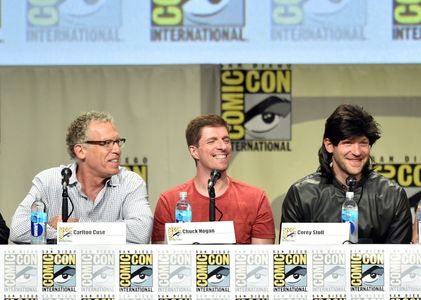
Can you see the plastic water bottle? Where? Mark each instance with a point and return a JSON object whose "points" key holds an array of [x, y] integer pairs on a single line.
{"points": [[39, 219], [183, 211], [350, 215], [419, 221]]}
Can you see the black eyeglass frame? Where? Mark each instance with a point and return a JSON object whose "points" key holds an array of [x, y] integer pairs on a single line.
{"points": [[107, 143]]}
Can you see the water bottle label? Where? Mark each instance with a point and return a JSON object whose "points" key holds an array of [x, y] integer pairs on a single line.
{"points": [[183, 216], [38, 221], [350, 216], [37, 229], [39, 217]]}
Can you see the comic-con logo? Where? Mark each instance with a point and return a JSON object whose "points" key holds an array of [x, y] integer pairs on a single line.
{"points": [[251, 272], [136, 270], [290, 272], [20, 272], [140, 168], [174, 272], [212, 272], [318, 20], [197, 20], [406, 19], [73, 21], [97, 273], [288, 234], [329, 271], [367, 271], [405, 271], [64, 234], [175, 233], [58, 272], [256, 104], [407, 175]]}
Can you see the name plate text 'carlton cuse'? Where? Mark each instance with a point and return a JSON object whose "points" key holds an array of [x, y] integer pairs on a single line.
{"points": [[200, 233], [95, 233], [315, 233]]}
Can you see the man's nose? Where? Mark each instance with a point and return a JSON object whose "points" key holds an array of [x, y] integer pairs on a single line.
{"points": [[356, 149]]}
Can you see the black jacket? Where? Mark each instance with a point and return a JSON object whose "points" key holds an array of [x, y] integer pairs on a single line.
{"points": [[383, 208], [4, 231]]}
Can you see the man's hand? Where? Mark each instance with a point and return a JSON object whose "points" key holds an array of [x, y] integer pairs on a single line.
{"points": [[54, 220]]}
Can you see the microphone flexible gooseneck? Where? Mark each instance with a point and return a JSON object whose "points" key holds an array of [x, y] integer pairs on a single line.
{"points": [[214, 176], [65, 173]]}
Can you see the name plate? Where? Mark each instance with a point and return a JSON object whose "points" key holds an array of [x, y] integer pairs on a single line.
{"points": [[95, 233], [200, 233], [315, 233]]}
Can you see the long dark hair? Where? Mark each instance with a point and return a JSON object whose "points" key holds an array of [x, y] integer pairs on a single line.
{"points": [[347, 121]]}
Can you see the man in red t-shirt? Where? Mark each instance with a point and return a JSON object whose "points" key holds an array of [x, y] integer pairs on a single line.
{"points": [[247, 206]]}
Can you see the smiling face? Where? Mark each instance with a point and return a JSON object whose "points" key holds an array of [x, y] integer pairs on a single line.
{"points": [[213, 150], [97, 160], [349, 157]]}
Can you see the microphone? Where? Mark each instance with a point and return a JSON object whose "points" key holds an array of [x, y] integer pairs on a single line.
{"points": [[215, 175], [65, 173], [351, 182]]}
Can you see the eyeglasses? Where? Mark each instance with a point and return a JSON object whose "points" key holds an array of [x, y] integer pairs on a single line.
{"points": [[107, 143]]}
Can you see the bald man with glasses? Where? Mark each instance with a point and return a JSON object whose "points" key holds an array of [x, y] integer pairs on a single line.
{"points": [[99, 189]]}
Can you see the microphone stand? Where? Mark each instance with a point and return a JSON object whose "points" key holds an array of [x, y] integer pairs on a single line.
{"points": [[65, 205], [211, 191]]}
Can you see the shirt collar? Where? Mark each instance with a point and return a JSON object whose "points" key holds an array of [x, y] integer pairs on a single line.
{"points": [[112, 181]]}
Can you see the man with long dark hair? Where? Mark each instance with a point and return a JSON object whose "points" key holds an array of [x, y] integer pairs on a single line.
{"points": [[383, 207]]}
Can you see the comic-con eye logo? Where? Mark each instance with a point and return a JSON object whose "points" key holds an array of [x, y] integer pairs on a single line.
{"points": [[59, 272], [256, 102], [65, 234], [406, 12], [97, 271], [174, 272], [290, 272], [318, 20], [212, 272], [318, 12], [251, 272], [405, 271], [329, 272], [174, 233], [197, 21], [20, 272], [74, 13], [198, 13], [288, 234], [136, 272], [367, 271]]}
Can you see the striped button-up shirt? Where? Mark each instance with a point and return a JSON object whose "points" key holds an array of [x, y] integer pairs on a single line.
{"points": [[122, 199]]}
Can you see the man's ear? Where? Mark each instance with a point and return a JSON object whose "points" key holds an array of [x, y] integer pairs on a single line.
{"points": [[193, 152], [79, 151], [328, 145]]}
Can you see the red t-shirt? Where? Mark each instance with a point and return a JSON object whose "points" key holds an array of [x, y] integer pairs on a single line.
{"points": [[244, 204]]}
